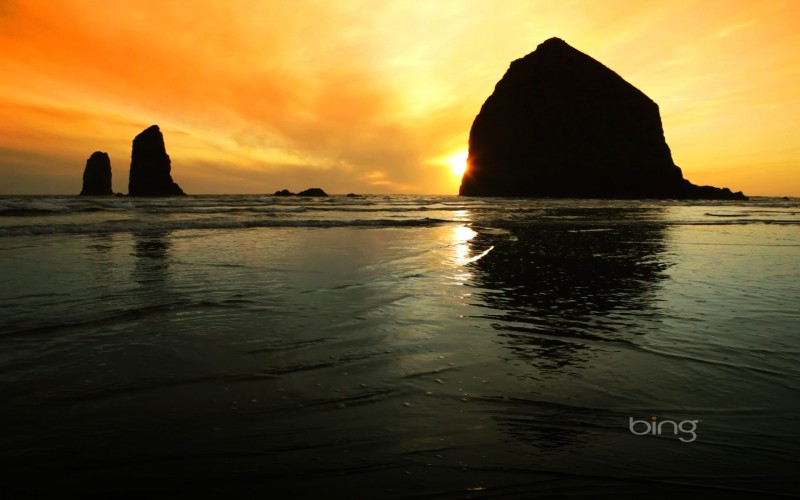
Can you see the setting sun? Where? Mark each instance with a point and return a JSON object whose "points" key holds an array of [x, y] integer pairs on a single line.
{"points": [[458, 163]]}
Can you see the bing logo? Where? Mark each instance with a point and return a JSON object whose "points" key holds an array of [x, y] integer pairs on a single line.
{"points": [[656, 428]]}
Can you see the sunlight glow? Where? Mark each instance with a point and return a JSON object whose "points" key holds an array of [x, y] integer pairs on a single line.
{"points": [[461, 237], [463, 254], [458, 163]]}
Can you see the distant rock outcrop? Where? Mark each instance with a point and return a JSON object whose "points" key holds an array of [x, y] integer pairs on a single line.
{"points": [[150, 166], [312, 192], [307, 192], [561, 124], [97, 175]]}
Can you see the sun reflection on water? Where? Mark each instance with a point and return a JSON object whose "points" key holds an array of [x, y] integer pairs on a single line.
{"points": [[463, 252], [461, 216], [461, 237], [461, 249]]}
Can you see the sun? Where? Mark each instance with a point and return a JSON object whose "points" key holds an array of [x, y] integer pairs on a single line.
{"points": [[458, 163]]}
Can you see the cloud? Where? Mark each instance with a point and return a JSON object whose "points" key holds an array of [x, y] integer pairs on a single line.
{"points": [[728, 30]]}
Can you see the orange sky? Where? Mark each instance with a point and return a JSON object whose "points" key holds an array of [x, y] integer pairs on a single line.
{"points": [[372, 96]]}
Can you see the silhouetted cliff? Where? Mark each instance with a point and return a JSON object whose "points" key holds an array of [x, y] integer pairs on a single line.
{"points": [[150, 166], [560, 124], [97, 175]]}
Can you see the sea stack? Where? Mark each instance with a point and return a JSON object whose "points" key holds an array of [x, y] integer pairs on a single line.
{"points": [[150, 166], [97, 175], [560, 124]]}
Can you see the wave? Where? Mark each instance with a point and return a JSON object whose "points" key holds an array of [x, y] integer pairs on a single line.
{"points": [[153, 227], [275, 221], [40, 215], [212, 208], [35, 206]]}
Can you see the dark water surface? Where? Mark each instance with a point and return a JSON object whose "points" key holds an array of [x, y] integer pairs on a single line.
{"points": [[395, 347]]}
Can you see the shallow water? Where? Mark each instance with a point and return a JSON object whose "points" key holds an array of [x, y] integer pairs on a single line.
{"points": [[398, 346]]}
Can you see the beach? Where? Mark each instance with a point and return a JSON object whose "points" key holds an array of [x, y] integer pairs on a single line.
{"points": [[399, 346]]}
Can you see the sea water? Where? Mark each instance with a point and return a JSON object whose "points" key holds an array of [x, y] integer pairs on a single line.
{"points": [[398, 346]]}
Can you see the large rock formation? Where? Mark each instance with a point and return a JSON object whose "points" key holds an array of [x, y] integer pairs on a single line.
{"points": [[150, 166], [97, 175], [560, 124]]}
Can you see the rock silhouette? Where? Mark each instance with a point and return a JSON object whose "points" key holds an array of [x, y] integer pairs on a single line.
{"points": [[561, 124], [97, 175], [150, 166], [307, 192], [312, 192]]}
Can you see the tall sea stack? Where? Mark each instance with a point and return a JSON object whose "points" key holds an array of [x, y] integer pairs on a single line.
{"points": [[150, 166], [97, 175], [560, 124]]}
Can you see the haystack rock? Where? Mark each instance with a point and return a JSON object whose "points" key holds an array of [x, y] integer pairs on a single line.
{"points": [[97, 175], [150, 166], [560, 124]]}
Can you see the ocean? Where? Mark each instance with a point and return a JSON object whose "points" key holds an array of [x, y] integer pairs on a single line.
{"points": [[250, 346]]}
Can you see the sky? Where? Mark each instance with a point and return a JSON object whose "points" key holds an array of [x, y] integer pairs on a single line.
{"points": [[371, 96]]}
